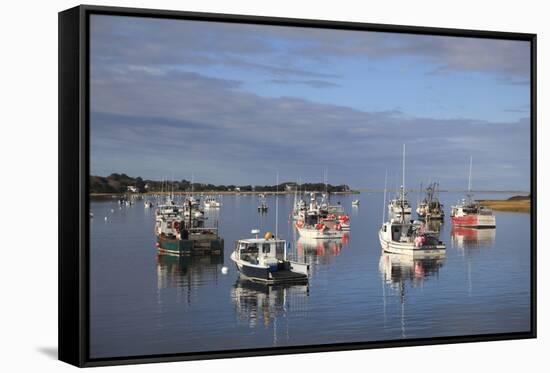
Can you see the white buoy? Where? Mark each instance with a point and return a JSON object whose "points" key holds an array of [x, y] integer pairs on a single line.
{"points": [[105, 218], [112, 210], [224, 270]]}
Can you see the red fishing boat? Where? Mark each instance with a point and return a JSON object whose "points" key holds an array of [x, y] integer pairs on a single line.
{"points": [[470, 213]]}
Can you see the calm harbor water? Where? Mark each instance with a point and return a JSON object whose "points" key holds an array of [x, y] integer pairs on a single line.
{"points": [[142, 303]]}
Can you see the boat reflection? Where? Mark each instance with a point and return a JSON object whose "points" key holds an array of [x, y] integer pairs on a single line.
{"points": [[397, 269], [319, 251], [472, 238], [187, 272], [261, 304]]}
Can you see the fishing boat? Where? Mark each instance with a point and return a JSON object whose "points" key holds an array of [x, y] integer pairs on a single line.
{"points": [[148, 204], [180, 234], [264, 259], [403, 236], [410, 238], [470, 213], [211, 202], [262, 207], [430, 207], [315, 223], [355, 202]]}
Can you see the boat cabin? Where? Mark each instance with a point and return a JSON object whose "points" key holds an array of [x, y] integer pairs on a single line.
{"points": [[261, 251]]}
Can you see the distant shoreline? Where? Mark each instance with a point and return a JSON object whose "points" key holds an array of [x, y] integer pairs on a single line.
{"points": [[513, 204], [119, 195]]}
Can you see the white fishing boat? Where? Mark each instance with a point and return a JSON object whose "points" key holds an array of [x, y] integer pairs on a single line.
{"points": [[402, 236], [211, 202], [314, 223], [264, 259], [263, 206], [355, 202]]}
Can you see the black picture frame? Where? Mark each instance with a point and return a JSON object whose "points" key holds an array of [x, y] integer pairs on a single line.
{"points": [[74, 171]]}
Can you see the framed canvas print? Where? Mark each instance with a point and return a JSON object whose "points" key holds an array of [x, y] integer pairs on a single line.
{"points": [[238, 186]]}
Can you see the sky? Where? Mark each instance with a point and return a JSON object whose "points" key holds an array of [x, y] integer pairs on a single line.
{"points": [[236, 103]]}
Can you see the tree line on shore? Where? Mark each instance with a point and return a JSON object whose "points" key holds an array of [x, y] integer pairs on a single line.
{"points": [[122, 183]]}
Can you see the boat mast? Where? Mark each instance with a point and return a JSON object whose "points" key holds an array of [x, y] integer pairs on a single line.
{"points": [[403, 182], [470, 177], [403, 189], [385, 189], [326, 184], [192, 182], [277, 207]]}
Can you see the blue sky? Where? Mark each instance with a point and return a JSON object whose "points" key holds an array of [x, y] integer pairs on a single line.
{"points": [[233, 103]]}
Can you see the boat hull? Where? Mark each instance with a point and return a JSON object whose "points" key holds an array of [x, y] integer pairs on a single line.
{"points": [[267, 274], [319, 234], [172, 246], [409, 248], [474, 221]]}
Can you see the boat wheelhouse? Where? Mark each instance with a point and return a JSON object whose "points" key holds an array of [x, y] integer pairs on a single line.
{"points": [[265, 259], [399, 207]]}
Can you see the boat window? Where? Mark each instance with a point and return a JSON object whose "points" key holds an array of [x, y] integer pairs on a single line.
{"points": [[250, 253], [280, 250], [266, 248]]}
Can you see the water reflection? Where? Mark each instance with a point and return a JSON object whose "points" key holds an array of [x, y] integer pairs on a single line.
{"points": [[319, 251], [186, 272], [398, 270], [261, 304], [472, 238]]}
